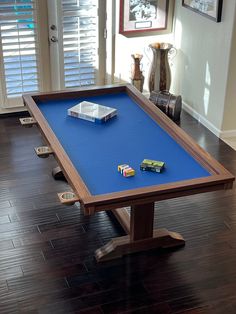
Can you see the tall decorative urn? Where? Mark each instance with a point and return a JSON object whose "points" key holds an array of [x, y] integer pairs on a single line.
{"points": [[159, 74], [137, 77]]}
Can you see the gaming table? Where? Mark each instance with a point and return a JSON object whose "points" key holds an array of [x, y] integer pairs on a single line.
{"points": [[89, 154]]}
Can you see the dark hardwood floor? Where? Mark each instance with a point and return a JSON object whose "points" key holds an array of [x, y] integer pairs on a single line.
{"points": [[46, 249]]}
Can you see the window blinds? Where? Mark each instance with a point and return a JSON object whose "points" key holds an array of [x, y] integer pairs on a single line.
{"points": [[80, 29], [18, 36]]}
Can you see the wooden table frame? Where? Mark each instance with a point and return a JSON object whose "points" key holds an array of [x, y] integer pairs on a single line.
{"points": [[138, 226]]}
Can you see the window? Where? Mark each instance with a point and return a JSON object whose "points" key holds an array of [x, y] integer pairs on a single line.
{"points": [[80, 44], [18, 35], [62, 52]]}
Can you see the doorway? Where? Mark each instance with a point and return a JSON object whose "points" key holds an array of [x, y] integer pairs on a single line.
{"points": [[50, 45]]}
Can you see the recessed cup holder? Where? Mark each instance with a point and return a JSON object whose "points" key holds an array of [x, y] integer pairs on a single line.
{"points": [[43, 151], [68, 195], [68, 198], [28, 122]]}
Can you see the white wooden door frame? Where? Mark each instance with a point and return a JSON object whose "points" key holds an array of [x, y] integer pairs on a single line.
{"points": [[55, 32]]}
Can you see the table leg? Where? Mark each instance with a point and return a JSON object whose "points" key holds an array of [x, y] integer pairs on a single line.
{"points": [[58, 174], [141, 222], [141, 236]]}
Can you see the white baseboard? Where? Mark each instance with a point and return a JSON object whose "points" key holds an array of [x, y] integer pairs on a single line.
{"points": [[12, 110], [208, 124], [201, 119], [228, 134]]}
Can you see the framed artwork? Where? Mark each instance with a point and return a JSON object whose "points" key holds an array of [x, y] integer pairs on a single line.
{"points": [[209, 8], [139, 16]]}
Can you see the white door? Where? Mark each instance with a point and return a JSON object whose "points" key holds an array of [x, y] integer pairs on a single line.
{"points": [[19, 54], [50, 45], [74, 38]]}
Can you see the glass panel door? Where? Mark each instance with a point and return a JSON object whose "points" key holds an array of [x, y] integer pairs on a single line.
{"points": [[74, 42], [51, 45], [19, 51]]}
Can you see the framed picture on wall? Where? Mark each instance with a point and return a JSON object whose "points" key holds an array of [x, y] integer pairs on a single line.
{"points": [[139, 16], [209, 8]]}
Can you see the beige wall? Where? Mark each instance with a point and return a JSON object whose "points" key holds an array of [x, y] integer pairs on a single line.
{"points": [[204, 69], [200, 74], [229, 120], [125, 46]]}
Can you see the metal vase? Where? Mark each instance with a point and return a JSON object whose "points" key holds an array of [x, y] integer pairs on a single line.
{"points": [[137, 78], [159, 74]]}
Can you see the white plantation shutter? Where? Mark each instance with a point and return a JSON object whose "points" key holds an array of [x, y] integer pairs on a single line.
{"points": [[19, 51], [80, 34]]}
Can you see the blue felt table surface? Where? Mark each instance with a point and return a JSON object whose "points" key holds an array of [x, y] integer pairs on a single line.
{"points": [[97, 149]]}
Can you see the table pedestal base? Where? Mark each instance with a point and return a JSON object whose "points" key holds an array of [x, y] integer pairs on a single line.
{"points": [[141, 236], [117, 247]]}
